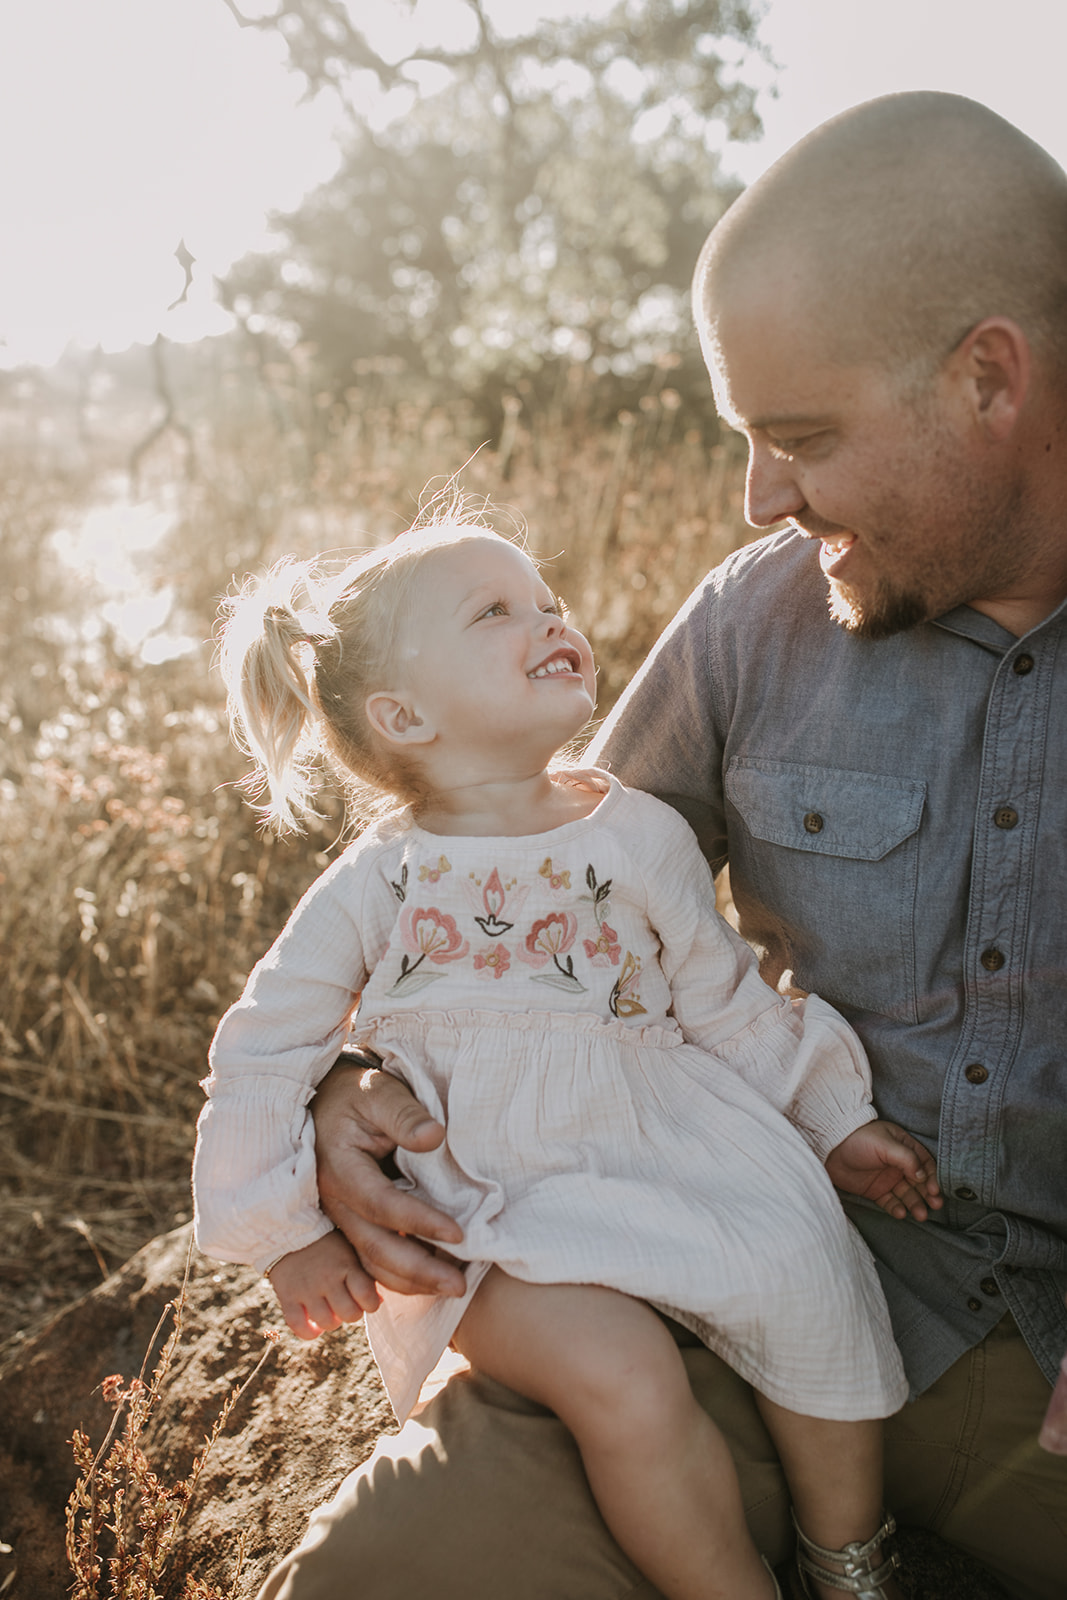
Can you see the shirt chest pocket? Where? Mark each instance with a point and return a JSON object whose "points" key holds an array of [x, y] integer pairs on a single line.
{"points": [[824, 865]]}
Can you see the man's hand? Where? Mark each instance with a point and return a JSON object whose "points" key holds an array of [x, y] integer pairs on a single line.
{"points": [[322, 1286], [883, 1163], [361, 1116]]}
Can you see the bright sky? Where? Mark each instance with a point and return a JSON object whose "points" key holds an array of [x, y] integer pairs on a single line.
{"points": [[126, 125]]}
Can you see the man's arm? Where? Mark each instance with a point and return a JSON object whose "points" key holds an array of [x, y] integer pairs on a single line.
{"points": [[361, 1116], [664, 735]]}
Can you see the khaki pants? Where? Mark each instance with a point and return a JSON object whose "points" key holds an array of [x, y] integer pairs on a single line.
{"points": [[483, 1495]]}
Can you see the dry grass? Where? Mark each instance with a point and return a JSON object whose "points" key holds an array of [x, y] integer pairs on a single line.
{"points": [[136, 892], [123, 1519]]}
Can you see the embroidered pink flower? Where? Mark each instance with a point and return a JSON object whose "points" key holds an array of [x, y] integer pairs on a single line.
{"points": [[492, 962], [428, 932], [556, 878], [603, 951], [549, 938], [494, 905]]}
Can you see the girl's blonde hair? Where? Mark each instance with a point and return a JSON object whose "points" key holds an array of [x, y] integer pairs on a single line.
{"points": [[300, 651]]}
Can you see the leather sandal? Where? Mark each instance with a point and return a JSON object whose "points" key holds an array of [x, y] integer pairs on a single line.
{"points": [[860, 1571], [774, 1580]]}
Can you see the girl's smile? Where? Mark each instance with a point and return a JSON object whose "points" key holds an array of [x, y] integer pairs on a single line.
{"points": [[568, 660], [483, 637]]}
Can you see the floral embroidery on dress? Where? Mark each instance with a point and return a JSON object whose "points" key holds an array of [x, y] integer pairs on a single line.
{"points": [[557, 878], [433, 874], [493, 961], [625, 1000], [426, 932], [493, 900], [603, 951], [549, 940], [598, 893], [401, 889]]}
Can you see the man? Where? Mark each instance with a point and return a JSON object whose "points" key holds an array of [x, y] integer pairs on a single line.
{"points": [[884, 316]]}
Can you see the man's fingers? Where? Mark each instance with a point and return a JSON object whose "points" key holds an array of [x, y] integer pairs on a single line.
{"points": [[388, 1110], [399, 1263], [356, 1188], [388, 1207]]}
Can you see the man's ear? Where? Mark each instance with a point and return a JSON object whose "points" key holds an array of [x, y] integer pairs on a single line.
{"points": [[994, 362], [396, 719]]}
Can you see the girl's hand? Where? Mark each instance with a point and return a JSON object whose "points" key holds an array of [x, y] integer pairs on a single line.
{"points": [[883, 1163], [1053, 1435], [321, 1286]]}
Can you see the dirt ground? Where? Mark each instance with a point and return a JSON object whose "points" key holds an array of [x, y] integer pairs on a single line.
{"points": [[278, 1456]]}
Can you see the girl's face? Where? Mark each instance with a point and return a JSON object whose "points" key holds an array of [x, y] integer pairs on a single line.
{"points": [[486, 654]]}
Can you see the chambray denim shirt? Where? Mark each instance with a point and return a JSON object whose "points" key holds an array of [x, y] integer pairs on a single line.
{"points": [[894, 813]]}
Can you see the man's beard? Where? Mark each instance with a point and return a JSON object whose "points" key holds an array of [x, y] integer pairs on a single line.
{"points": [[889, 611]]}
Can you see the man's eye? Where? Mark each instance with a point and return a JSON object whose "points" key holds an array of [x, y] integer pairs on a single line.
{"points": [[787, 449]]}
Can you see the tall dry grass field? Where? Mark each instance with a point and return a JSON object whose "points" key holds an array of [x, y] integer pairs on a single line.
{"points": [[135, 889]]}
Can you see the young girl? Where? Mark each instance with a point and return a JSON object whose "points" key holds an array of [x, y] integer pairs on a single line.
{"points": [[537, 954]]}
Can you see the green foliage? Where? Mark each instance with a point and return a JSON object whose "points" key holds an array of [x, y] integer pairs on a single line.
{"points": [[534, 198]]}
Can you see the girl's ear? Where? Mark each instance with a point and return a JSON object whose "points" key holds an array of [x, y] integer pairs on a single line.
{"points": [[395, 719]]}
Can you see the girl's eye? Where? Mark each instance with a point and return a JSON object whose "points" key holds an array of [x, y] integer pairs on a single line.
{"points": [[497, 609]]}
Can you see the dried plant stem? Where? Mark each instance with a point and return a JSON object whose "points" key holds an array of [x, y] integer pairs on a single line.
{"points": [[118, 1483]]}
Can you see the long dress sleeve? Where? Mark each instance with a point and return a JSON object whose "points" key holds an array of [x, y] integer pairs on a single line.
{"points": [[800, 1055], [254, 1183]]}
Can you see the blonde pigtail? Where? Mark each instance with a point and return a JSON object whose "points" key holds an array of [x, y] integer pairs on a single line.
{"points": [[303, 647], [268, 662]]}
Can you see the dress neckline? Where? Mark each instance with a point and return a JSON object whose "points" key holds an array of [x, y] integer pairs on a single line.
{"points": [[583, 777]]}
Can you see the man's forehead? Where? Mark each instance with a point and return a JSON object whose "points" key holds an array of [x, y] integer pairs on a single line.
{"points": [[776, 353]]}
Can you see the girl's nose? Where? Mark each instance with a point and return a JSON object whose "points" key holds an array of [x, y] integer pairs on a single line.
{"points": [[771, 490]]}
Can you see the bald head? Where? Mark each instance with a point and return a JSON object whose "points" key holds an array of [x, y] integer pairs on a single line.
{"points": [[898, 226]]}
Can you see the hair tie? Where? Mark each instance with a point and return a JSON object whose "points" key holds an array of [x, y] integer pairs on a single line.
{"points": [[278, 615]]}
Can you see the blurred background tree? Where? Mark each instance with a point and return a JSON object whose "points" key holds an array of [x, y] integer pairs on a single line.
{"points": [[498, 276], [520, 200]]}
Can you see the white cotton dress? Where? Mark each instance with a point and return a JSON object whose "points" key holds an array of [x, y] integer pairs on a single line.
{"points": [[626, 1102]]}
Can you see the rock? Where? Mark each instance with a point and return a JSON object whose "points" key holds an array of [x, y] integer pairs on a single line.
{"points": [[312, 1413]]}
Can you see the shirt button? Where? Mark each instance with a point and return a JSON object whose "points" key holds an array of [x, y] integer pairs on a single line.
{"points": [[992, 960], [1005, 816], [976, 1073], [1022, 665], [964, 1193], [989, 1286], [813, 822], [974, 1304]]}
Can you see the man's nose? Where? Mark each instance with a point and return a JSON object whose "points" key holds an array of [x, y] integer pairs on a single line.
{"points": [[771, 491]]}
